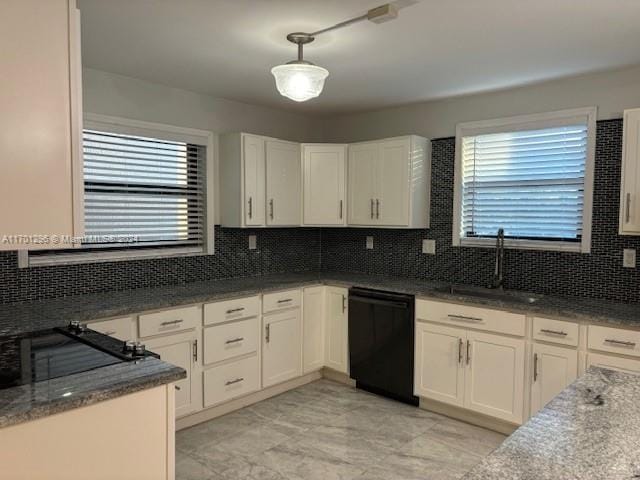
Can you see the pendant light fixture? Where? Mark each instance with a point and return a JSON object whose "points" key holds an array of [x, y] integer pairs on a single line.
{"points": [[300, 80]]}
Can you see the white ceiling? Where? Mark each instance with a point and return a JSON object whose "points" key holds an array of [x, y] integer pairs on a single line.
{"points": [[435, 49]]}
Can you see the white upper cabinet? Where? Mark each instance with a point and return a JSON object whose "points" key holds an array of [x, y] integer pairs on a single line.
{"points": [[389, 183], [324, 184], [630, 189], [41, 122], [283, 183], [259, 181]]}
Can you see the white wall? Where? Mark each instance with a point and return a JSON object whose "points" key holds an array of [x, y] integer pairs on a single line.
{"points": [[110, 94], [611, 92]]}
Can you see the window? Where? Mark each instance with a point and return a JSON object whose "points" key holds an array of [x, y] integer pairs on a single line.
{"points": [[531, 176], [147, 192]]}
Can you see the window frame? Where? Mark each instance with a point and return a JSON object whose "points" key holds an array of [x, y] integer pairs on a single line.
{"points": [[529, 122], [126, 126]]}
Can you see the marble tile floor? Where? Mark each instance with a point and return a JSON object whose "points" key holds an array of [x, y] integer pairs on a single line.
{"points": [[326, 430]]}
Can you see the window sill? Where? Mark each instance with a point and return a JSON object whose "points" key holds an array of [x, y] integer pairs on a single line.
{"points": [[575, 247], [100, 257]]}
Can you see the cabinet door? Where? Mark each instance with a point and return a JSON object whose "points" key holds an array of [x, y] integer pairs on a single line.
{"points": [[337, 329], [182, 349], [283, 183], [254, 184], [392, 183], [362, 182], [614, 363], [313, 329], [630, 192], [494, 378], [281, 347], [41, 104], [439, 363], [553, 369], [324, 184]]}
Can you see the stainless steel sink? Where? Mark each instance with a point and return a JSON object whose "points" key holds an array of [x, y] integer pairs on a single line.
{"points": [[491, 294]]}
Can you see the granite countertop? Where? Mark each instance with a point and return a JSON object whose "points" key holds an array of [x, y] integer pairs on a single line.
{"points": [[590, 431], [29, 402], [23, 317]]}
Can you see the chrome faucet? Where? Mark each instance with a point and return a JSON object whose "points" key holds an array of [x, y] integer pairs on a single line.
{"points": [[498, 274]]}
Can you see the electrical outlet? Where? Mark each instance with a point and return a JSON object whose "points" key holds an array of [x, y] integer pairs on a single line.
{"points": [[253, 242], [429, 246], [629, 258], [369, 243]]}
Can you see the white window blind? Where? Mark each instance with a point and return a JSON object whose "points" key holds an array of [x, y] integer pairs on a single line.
{"points": [[531, 183], [142, 191]]}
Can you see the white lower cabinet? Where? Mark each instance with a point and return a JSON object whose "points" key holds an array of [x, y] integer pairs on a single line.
{"points": [[336, 332], [182, 349], [479, 371], [231, 380], [554, 368], [281, 346], [614, 363], [313, 329], [439, 363]]}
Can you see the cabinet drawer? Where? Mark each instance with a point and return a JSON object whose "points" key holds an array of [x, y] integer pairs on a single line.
{"points": [[555, 331], [169, 321], [120, 328], [230, 340], [628, 365], [272, 302], [606, 339], [235, 309], [471, 317], [231, 380]]}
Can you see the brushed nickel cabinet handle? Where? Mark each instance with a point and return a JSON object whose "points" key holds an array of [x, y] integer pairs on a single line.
{"points": [[553, 332], [344, 303], [177, 387], [234, 310], [468, 352], [250, 207], [195, 350], [464, 318], [628, 208], [171, 322], [110, 332], [535, 367], [235, 340], [271, 209], [285, 300], [340, 209], [620, 343], [372, 208], [268, 333], [460, 343], [231, 382], [377, 208]]}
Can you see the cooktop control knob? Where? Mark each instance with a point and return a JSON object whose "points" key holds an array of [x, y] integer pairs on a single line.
{"points": [[76, 327], [129, 346], [139, 349]]}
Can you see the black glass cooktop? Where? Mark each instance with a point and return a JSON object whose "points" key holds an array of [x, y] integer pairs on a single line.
{"points": [[43, 355]]}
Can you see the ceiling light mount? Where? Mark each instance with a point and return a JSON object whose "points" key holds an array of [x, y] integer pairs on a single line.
{"points": [[301, 80]]}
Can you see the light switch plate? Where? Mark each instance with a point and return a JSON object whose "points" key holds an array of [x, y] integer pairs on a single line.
{"points": [[429, 246], [369, 243], [253, 242], [629, 258]]}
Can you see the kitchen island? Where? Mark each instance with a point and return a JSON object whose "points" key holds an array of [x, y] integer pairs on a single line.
{"points": [[590, 431]]}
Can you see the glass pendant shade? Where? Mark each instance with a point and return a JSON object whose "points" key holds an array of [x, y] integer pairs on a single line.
{"points": [[299, 81]]}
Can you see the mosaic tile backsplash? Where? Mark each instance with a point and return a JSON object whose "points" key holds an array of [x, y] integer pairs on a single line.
{"points": [[396, 252], [598, 275]]}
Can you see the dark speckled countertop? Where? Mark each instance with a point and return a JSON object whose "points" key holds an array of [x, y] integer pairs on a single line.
{"points": [[18, 318], [590, 431]]}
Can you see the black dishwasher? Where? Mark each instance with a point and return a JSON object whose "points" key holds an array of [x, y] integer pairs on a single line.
{"points": [[381, 331]]}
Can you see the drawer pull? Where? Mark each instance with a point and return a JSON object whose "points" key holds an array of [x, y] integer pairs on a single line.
{"points": [[285, 300], [110, 332], [234, 310], [231, 382], [460, 343], [553, 332], [464, 318], [235, 340], [171, 322], [620, 343]]}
